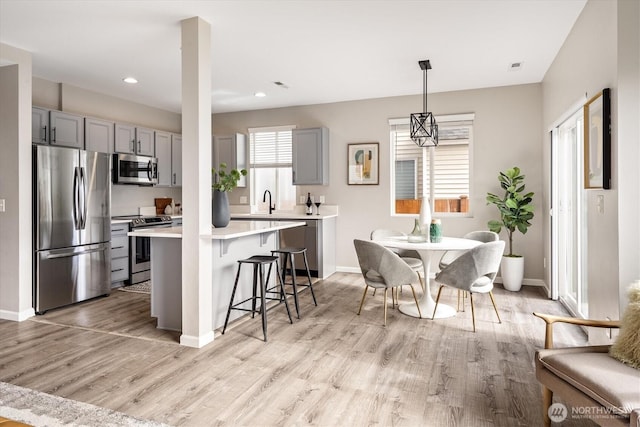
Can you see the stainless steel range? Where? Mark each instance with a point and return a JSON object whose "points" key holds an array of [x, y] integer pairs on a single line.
{"points": [[140, 247]]}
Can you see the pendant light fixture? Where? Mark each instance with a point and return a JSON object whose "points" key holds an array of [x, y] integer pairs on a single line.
{"points": [[424, 129]]}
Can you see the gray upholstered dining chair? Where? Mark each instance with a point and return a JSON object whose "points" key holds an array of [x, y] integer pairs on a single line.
{"points": [[480, 235], [381, 268], [410, 257], [473, 271], [447, 258]]}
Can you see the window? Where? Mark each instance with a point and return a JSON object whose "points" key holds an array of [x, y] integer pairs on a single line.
{"points": [[439, 173], [270, 166]]}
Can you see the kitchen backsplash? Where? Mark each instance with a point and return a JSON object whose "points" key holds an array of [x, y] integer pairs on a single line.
{"points": [[126, 199]]}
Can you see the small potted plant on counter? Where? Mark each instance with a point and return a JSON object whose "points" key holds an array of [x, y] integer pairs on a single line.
{"points": [[223, 182], [516, 212]]}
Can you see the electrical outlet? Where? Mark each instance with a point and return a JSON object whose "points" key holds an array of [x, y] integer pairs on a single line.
{"points": [[243, 200], [600, 204], [2, 205]]}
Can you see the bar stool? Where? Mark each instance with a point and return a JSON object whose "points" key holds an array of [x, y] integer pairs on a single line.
{"points": [[288, 254], [258, 262]]}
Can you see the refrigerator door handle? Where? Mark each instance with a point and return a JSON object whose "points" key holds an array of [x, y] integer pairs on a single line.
{"points": [[74, 253], [76, 220], [83, 193]]}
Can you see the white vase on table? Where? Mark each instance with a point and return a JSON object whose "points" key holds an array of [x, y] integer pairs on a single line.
{"points": [[425, 217]]}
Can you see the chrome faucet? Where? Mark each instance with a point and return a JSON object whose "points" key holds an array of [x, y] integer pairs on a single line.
{"points": [[264, 199]]}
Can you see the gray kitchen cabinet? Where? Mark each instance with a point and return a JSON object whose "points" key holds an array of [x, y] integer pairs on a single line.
{"points": [[163, 154], [67, 130], [145, 138], [134, 140], [99, 135], [231, 150], [176, 160], [119, 253], [39, 125], [310, 150], [125, 139]]}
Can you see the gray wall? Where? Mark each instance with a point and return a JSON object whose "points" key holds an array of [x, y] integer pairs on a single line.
{"points": [[507, 132], [15, 184]]}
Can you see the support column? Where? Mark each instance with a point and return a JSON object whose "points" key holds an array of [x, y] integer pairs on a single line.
{"points": [[197, 323], [15, 184]]}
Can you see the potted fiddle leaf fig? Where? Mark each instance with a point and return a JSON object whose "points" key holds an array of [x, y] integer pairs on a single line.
{"points": [[516, 212], [223, 182]]}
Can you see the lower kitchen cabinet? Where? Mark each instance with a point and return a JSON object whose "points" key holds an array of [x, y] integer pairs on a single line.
{"points": [[119, 254], [318, 236]]}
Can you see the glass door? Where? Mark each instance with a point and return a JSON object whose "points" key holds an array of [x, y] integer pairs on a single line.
{"points": [[567, 215]]}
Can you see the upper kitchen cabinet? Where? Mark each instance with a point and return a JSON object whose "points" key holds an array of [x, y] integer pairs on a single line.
{"points": [[176, 160], [99, 135], [163, 154], [231, 150], [67, 130], [310, 150], [39, 125], [134, 140]]}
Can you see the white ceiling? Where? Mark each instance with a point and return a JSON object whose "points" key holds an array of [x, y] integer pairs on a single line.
{"points": [[324, 51]]}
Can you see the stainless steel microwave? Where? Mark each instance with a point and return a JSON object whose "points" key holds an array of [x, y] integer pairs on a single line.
{"points": [[138, 170]]}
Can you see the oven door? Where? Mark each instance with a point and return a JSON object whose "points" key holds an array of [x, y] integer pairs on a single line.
{"points": [[140, 257], [130, 169]]}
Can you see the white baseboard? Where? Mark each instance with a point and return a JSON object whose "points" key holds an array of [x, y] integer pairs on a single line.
{"points": [[340, 269], [17, 316], [525, 282], [196, 341]]}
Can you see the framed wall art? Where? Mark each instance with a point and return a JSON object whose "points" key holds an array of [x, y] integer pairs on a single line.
{"points": [[597, 141], [363, 164]]}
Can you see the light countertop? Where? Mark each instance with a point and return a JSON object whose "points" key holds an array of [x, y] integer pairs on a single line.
{"points": [[234, 230], [282, 216]]}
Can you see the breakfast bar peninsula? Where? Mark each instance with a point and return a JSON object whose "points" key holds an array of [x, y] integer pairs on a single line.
{"points": [[239, 240]]}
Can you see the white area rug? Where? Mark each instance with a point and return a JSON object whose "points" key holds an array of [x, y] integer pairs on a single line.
{"points": [[41, 409], [141, 288]]}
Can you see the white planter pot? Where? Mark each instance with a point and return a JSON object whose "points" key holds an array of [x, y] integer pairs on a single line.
{"points": [[512, 272]]}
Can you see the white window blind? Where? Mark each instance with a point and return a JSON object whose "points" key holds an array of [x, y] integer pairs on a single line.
{"points": [[406, 179], [270, 147]]}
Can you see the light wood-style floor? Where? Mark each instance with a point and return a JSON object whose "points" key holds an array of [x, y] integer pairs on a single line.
{"points": [[330, 368]]}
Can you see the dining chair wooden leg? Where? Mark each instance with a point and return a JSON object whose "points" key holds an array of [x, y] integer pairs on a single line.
{"points": [[437, 301], [364, 295], [458, 306], [421, 283], [494, 306], [416, 300], [547, 398], [394, 297], [386, 291], [473, 312]]}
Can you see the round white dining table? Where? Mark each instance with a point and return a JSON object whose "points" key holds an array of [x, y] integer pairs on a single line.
{"points": [[426, 249]]}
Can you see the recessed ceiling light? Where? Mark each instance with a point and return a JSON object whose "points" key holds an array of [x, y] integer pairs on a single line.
{"points": [[260, 94], [516, 66], [130, 80]]}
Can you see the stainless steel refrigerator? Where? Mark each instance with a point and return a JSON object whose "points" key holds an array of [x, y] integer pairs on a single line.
{"points": [[71, 226]]}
